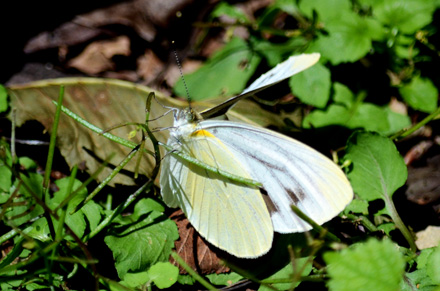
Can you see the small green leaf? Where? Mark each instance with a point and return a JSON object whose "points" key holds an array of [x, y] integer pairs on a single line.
{"points": [[224, 279], [312, 86], [357, 206], [420, 94], [3, 99], [163, 274], [287, 273], [373, 265], [226, 73], [223, 8], [378, 169], [343, 95], [406, 15]]}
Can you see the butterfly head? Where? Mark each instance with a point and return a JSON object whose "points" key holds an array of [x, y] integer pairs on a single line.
{"points": [[186, 116]]}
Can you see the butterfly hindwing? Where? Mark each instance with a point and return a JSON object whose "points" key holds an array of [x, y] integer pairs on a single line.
{"points": [[230, 215]]}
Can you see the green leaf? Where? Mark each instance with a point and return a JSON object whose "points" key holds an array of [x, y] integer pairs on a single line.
{"points": [[226, 73], [275, 53], [312, 86], [373, 265], [349, 38], [143, 239], [224, 279], [406, 15], [5, 173], [343, 95], [26, 207], [135, 279], [303, 264], [420, 94], [326, 10], [163, 274], [361, 116], [378, 169], [3, 99], [357, 206], [418, 280], [433, 266], [75, 221], [223, 8]]}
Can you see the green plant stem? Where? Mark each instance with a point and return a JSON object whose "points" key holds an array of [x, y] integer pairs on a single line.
{"points": [[364, 220], [98, 130], [315, 226], [106, 181], [399, 223], [404, 133], [53, 139], [193, 273]]}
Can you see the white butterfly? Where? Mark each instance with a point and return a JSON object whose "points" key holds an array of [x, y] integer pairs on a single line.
{"points": [[235, 217]]}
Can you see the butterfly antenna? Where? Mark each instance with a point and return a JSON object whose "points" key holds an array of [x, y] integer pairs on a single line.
{"points": [[181, 76]]}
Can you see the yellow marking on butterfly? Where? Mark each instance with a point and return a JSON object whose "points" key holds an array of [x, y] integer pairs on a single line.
{"points": [[202, 133]]}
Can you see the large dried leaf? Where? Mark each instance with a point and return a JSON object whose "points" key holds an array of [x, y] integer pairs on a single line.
{"points": [[102, 102], [106, 103]]}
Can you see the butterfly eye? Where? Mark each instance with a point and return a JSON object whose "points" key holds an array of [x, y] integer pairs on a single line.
{"points": [[188, 115]]}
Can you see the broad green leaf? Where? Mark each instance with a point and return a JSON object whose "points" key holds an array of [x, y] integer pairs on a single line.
{"points": [[349, 38], [303, 264], [373, 265], [420, 94], [312, 86], [143, 239], [326, 10], [3, 99], [224, 279], [163, 274], [378, 169], [406, 15], [225, 74], [365, 116]]}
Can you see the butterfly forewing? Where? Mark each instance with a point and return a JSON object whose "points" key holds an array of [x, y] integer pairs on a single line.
{"points": [[228, 214], [291, 173]]}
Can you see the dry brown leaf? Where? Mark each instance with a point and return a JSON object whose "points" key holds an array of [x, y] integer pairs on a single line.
{"points": [[428, 238], [97, 56], [196, 252], [424, 182], [149, 66], [142, 15], [102, 102]]}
